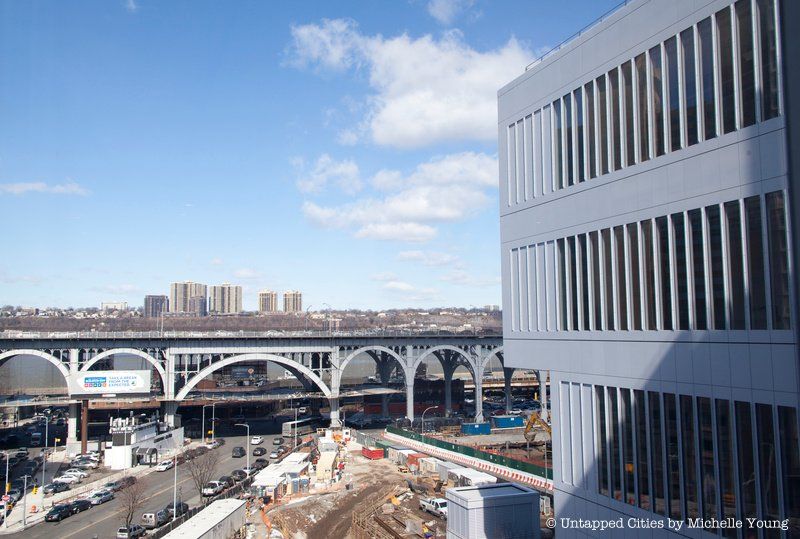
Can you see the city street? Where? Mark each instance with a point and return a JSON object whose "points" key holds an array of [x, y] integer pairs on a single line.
{"points": [[102, 521]]}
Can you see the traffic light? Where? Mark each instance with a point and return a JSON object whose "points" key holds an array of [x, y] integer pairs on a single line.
{"points": [[35, 490]]}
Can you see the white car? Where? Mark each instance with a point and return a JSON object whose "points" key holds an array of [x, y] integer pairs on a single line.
{"points": [[68, 479], [257, 440], [75, 471], [164, 465]]}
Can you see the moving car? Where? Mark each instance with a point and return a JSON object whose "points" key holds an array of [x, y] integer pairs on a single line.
{"points": [[164, 465], [258, 451], [261, 463], [54, 488], [277, 441], [58, 513], [130, 533], [101, 496], [213, 444], [257, 440], [238, 452], [212, 488], [152, 521], [80, 505]]}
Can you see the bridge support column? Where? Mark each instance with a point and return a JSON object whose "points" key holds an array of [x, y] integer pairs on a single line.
{"points": [[84, 425], [171, 416], [543, 395], [385, 366], [448, 389], [507, 374], [410, 398], [335, 421], [72, 423], [479, 399]]}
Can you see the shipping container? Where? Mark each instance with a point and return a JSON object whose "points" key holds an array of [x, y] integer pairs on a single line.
{"points": [[413, 459], [475, 428], [508, 421], [372, 453], [444, 467], [429, 465], [490, 511]]}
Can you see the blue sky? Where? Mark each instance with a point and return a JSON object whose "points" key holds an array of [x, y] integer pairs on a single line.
{"points": [[345, 149]]}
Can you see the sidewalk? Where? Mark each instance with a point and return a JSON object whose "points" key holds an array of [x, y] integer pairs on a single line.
{"points": [[43, 504]]}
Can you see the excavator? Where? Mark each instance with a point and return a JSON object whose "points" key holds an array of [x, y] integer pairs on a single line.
{"points": [[538, 436]]}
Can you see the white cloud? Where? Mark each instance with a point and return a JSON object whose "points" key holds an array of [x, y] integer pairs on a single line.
{"points": [[461, 277], [401, 286], [409, 292], [344, 174], [120, 289], [425, 90], [247, 273], [216, 262], [22, 188], [131, 6], [384, 276], [430, 258], [5, 278], [446, 11], [445, 189]]}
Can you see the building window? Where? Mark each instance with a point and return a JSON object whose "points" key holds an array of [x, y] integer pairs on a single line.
{"points": [[558, 144], [767, 465], [616, 119], [708, 483], [590, 128], [681, 271], [657, 104], [778, 259], [746, 457], [615, 443], [569, 173], [512, 163], [602, 117], [706, 42], [689, 85], [747, 76], [630, 136], [698, 264], [674, 504], [664, 263], [727, 483], [769, 58], [628, 457], [735, 264], [622, 287], [673, 94], [656, 452], [636, 295], [717, 272], [573, 282], [723, 18], [562, 284], [595, 280], [602, 440], [579, 146], [755, 261], [547, 150], [585, 280], [790, 462], [648, 254], [642, 100], [608, 278], [641, 450], [691, 507]]}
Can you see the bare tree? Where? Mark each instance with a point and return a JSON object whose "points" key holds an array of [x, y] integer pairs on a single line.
{"points": [[203, 468], [131, 499]]}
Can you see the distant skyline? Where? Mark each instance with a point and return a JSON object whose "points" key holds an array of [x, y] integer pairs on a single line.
{"points": [[334, 148]]}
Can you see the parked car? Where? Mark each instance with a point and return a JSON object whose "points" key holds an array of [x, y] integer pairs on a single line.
{"points": [[274, 454], [54, 488], [15, 494], [277, 441], [257, 440], [152, 521], [58, 513], [183, 507], [261, 463], [227, 480], [239, 475], [68, 479], [213, 444], [212, 488], [131, 532], [80, 505], [114, 486], [101, 496], [164, 465], [435, 506], [249, 470], [127, 481], [85, 464], [238, 452], [258, 451], [76, 471]]}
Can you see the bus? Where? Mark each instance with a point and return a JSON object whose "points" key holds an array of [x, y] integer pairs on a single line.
{"points": [[302, 426]]}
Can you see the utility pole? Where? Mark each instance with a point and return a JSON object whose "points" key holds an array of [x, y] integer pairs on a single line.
{"points": [[247, 444], [44, 458]]}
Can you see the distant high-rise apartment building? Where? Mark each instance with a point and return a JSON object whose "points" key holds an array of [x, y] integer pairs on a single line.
{"points": [[155, 305], [650, 194], [292, 301], [114, 306], [267, 301], [225, 299], [198, 306], [181, 293]]}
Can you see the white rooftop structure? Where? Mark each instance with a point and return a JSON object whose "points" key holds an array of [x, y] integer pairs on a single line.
{"points": [[489, 511], [203, 523]]}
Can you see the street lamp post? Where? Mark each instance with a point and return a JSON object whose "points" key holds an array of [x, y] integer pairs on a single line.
{"points": [[203, 422], [423, 416], [25, 501], [5, 504], [295, 429], [175, 488], [214, 420], [247, 444]]}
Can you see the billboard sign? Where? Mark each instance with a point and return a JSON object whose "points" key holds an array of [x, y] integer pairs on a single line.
{"points": [[110, 383]]}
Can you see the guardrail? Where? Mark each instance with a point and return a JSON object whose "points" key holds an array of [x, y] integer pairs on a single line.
{"points": [[500, 460], [95, 335]]}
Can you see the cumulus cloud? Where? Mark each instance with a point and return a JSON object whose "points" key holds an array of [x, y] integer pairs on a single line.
{"points": [[430, 258], [344, 174], [446, 11], [461, 277], [216, 261], [247, 273], [23, 188], [425, 90], [131, 6], [445, 189], [121, 289]]}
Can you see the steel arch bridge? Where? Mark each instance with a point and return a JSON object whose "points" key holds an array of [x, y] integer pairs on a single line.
{"points": [[318, 360]]}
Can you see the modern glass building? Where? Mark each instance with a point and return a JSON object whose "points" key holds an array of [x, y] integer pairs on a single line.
{"points": [[649, 213]]}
